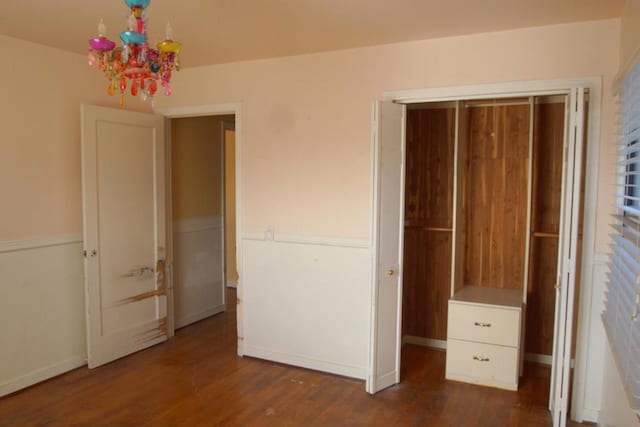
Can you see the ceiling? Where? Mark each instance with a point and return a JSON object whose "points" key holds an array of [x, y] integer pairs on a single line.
{"points": [[219, 31]]}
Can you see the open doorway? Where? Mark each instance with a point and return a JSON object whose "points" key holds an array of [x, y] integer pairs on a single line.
{"points": [[203, 215]]}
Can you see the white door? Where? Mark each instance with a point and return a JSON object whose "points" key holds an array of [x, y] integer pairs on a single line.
{"points": [[568, 250], [389, 119], [123, 188]]}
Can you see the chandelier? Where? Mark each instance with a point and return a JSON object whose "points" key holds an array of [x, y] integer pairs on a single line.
{"points": [[135, 64]]}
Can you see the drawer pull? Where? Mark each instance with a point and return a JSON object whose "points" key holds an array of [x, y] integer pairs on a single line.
{"points": [[482, 324], [481, 359]]}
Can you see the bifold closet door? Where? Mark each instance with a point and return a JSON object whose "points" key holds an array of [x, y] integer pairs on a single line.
{"points": [[387, 243], [568, 260]]}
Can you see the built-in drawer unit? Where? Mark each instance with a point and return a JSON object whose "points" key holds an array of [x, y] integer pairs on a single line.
{"points": [[484, 337], [491, 325], [485, 364]]}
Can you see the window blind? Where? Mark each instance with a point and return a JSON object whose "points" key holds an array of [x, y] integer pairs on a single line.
{"points": [[623, 288]]}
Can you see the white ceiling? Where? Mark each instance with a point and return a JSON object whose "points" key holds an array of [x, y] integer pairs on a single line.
{"points": [[219, 31]]}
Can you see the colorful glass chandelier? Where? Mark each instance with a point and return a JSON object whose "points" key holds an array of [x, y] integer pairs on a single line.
{"points": [[135, 65]]}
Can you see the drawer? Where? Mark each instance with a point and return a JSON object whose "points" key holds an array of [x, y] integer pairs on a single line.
{"points": [[484, 324], [485, 364]]}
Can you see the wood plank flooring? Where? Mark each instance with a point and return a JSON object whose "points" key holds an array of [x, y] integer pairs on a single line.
{"points": [[196, 379]]}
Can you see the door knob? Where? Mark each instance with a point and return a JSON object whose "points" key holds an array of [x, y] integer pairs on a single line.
{"points": [[390, 272]]}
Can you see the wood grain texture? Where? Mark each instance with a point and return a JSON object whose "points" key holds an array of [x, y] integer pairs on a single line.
{"points": [[429, 167], [428, 221], [426, 283], [497, 183], [548, 140], [196, 379], [541, 296]]}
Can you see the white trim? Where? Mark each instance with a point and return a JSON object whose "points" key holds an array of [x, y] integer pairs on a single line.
{"points": [[44, 242], [200, 110], [171, 313], [370, 383], [192, 318], [42, 374], [218, 110], [342, 242], [579, 411], [359, 372], [224, 127], [425, 342], [494, 90], [193, 225], [231, 284]]}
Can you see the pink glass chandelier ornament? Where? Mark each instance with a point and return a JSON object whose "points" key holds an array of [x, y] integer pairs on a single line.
{"points": [[135, 64]]}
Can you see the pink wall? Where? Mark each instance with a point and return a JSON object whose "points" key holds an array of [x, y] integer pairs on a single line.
{"points": [[42, 89], [306, 120]]}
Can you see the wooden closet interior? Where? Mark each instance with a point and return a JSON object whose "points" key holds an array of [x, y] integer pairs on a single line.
{"points": [[483, 185]]}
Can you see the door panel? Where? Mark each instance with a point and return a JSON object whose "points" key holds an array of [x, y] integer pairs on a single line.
{"points": [[387, 242], [124, 231], [568, 259]]}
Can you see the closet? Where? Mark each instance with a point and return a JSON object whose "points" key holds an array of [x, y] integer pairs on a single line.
{"points": [[483, 187]]}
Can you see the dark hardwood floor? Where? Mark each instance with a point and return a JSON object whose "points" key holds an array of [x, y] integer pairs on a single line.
{"points": [[196, 379]]}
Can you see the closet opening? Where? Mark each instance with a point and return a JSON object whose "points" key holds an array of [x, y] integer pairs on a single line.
{"points": [[486, 185]]}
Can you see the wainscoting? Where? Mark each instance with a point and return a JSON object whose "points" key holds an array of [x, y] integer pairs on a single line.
{"points": [[198, 269], [307, 301], [42, 310]]}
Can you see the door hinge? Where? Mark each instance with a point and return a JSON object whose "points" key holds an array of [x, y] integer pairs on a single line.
{"points": [[84, 253], [238, 301]]}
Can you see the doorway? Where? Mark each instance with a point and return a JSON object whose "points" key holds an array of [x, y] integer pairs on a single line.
{"points": [[212, 110], [388, 289], [200, 189]]}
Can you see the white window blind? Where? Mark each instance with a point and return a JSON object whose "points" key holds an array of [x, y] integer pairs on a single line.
{"points": [[623, 288]]}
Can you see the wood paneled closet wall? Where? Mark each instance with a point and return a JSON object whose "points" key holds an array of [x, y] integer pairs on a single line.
{"points": [[496, 138]]}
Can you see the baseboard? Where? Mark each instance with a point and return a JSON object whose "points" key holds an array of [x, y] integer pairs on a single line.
{"points": [[231, 284], [192, 318], [425, 342], [305, 362], [42, 374]]}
